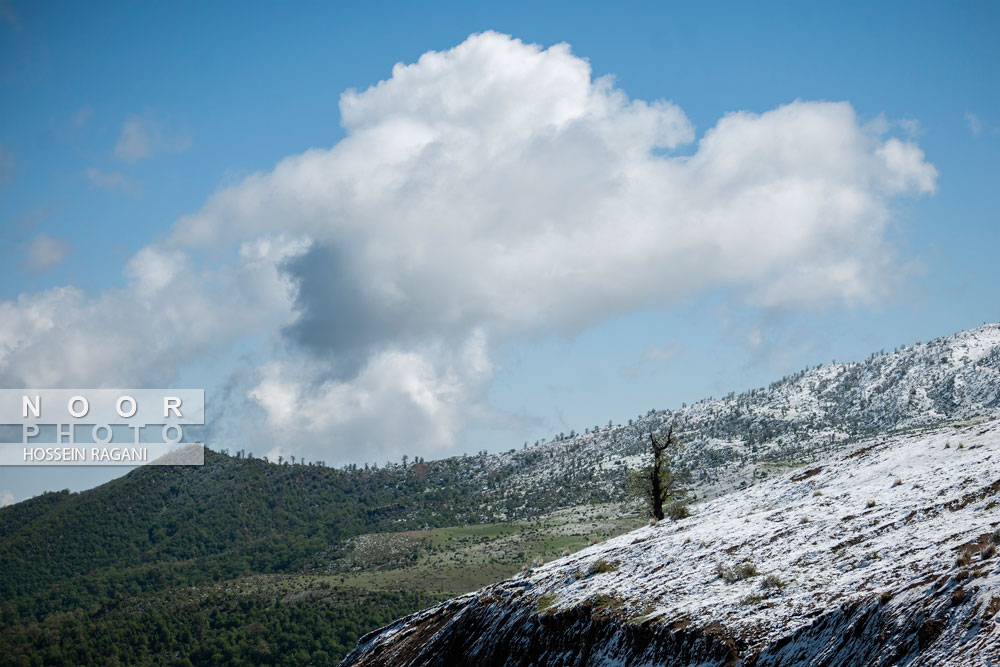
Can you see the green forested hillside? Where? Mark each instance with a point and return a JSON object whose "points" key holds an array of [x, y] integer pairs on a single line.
{"points": [[247, 561], [217, 629], [159, 527]]}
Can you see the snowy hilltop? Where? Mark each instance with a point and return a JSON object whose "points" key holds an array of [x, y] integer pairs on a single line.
{"points": [[883, 553], [738, 439]]}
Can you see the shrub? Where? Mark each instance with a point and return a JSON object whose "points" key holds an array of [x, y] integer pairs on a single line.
{"points": [[678, 510], [995, 537], [733, 574], [871, 504], [772, 581], [963, 559], [601, 566], [988, 552]]}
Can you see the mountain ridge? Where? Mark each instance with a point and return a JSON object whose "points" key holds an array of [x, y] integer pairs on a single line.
{"points": [[799, 418], [844, 563]]}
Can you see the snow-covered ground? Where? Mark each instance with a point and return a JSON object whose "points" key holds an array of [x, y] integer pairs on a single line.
{"points": [[882, 554], [861, 525]]}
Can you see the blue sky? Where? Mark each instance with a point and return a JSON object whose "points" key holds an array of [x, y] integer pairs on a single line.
{"points": [[118, 121]]}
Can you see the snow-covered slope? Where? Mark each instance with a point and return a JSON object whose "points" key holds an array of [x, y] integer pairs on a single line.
{"points": [[883, 554], [800, 418]]}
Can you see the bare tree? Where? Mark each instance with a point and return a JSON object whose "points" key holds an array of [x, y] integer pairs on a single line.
{"points": [[657, 484]]}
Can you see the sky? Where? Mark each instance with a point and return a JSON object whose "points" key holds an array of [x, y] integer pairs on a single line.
{"points": [[396, 229]]}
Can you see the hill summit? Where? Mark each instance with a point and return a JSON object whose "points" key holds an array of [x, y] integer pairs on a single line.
{"points": [[886, 554]]}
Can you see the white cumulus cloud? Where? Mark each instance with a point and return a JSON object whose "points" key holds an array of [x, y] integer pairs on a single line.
{"points": [[497, 191], [399, 402]]}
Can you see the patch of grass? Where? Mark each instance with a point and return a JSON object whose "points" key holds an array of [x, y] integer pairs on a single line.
{"points": [[779, 465], [647, 612], [752, 599], [771, 582], [546, 604], [450, 579], [963, 559], [871, 504], [603, 602]]}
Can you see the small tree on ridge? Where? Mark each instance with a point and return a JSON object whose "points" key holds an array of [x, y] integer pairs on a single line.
{"points": [[657, 484]]}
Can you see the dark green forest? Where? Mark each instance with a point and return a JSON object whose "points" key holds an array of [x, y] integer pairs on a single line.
{"points": [[158, 567], [216, 630]]}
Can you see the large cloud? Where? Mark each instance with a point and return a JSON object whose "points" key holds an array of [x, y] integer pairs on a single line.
{"points": [[168, 315], [496, 191]]}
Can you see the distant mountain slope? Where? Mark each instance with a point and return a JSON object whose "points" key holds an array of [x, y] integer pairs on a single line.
{"points": [[164, 526], [884, 555], [798, 418]]}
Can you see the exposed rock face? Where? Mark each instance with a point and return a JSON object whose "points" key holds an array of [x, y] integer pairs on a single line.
{"points": [[884, 555]]}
